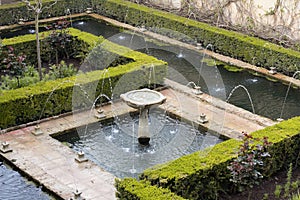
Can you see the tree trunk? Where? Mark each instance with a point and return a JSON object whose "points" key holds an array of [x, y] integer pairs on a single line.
{"points": [[38, 49], [56, 56]]}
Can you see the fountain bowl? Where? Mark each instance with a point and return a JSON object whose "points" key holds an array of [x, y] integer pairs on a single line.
{"points": [[143, 98]]}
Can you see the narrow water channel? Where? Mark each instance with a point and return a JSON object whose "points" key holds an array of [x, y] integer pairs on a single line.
{"points": [[13, 186], [267, 95]]}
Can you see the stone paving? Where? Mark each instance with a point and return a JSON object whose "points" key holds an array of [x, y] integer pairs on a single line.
{"points": [[223, 118], [265, 72], [53, 164]]}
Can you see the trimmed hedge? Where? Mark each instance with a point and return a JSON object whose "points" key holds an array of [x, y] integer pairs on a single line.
{"points": [[11, 13], [130, 188], [249, 49], [204, 174], [26, 44], [54, 97]]}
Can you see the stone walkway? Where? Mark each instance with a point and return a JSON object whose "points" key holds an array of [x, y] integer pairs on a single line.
{"points": [[53, 164], [278, 76], [223, 118]]}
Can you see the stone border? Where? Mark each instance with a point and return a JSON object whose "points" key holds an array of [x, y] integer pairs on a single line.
{"points": [[231, 61]]}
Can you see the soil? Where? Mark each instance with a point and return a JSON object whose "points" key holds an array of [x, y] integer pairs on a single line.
{"points": [[267, 187]]}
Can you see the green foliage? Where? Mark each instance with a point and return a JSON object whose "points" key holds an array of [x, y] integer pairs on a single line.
{"points": [[287, 185], [295, 196], [61, 70], [204, 174], [232, 68], [59, 40], [266, 196], [31, 76], [230, 43], [14, 64], [277, 191], [130, 188], [287, 191], [11, 13], [246, 170], [30, 103]]}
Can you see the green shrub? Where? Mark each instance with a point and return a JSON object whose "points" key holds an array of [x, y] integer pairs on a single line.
{"points": [[11, 13], [204, 174], [246, 170], [61, 70], [130, 188], [54, 97], [229, 43]]}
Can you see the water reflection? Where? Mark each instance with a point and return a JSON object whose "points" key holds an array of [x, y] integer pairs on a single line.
{"points": [[14, 187]]}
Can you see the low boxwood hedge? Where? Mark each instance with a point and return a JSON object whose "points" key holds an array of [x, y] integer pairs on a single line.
{"points": [[54, 97], [130, 188], [249, 49], [204, 174], [12, 13]]}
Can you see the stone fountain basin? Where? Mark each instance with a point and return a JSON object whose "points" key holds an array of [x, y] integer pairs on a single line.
{"points": [[143, 98]]}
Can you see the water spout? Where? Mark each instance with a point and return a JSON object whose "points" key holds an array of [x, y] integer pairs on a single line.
{"points": [[191, 84], [196, 88], [286, 95], [243, 87]]}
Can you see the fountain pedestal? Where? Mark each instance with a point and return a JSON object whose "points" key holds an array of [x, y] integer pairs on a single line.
{"points": [[143, 131], [142, 100]]}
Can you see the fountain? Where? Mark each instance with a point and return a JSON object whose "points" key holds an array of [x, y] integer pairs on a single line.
{"points": [[202, 118], [286, 95], [250, 99], [80, 157], [272, 70], [197, 89], [142, 100], [5, 148], [89, 10], [37, 130]]}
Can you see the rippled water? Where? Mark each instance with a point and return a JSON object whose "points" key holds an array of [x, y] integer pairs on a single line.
{"points": [[185, 65], [115, 148], [15, 187]]}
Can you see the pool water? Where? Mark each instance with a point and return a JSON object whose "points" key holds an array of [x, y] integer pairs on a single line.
{"points": [[15, 187], [115, 147]]}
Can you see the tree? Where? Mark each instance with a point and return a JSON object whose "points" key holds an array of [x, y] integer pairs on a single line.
{"points": [[59, 39], [15, 64], [37, 8]]}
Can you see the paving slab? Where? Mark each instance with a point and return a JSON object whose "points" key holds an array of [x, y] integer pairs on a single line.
{"points": [[223, 118], [53, 164]]}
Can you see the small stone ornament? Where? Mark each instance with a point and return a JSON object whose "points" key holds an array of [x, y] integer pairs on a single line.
{"points": [[197, 90], [80, 157], [202, 119], [272, 70], [37, 130], [77, 196], [88, 10], [5, 148], [100, 114]]}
